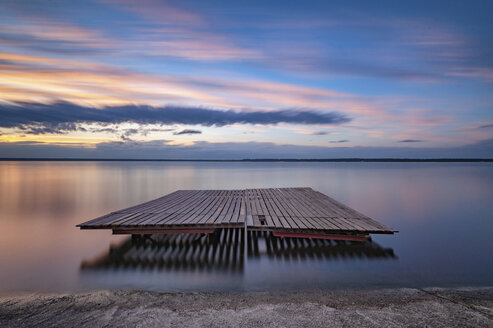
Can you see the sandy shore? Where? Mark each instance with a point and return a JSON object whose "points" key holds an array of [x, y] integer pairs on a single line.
{"points": [[368, 308]]}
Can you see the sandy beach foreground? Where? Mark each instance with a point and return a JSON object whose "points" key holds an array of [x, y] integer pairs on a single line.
{"points": [[465, 307]]}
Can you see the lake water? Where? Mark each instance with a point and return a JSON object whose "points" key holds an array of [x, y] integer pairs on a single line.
{"points": [[444, 212]]}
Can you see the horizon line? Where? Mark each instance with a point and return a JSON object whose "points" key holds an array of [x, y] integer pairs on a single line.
{"points": [[342, 159]]}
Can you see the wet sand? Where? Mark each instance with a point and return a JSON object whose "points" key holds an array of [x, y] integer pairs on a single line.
{"points": [[465, 307]]}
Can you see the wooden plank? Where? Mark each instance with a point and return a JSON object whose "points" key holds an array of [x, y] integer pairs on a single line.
{"points": [[263, 205], [179, 212], [160, 231], [302, 203], [283, 216], [327, 224], [228, 213], [196, 213], [160, 204], [291, 212], [189, 216], [192, 215], [256, 221], [143, 206], [275, 198], [209, 211], [253, 205], [242, 214], [275, 212], [218, 208], [270, 200], [124, 219], [100, 220], [199, 211], [272, 219], [249, 221]]}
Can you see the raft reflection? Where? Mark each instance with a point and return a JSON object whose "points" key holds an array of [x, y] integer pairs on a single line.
{"points": [[224, 251], [261, 243]]}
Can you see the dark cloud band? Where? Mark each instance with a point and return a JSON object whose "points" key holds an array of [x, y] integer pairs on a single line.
{"points": [[188, 131], [410, 140], [58, 117]]}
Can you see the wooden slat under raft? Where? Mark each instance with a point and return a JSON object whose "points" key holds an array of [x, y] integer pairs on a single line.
{"points": [[284, 211]]}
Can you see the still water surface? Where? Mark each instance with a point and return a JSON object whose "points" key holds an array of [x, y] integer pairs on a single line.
{"points": [[444, 212]]}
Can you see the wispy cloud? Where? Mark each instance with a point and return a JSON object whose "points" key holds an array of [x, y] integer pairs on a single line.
{"points": [[381, 47], [60, 38], [174, 33], [320, 133], [375, 46], [410, 140], [55, 37], [52, 79], [125, 133], [187, 131], [339, 141], [160, 12], [313, 133]]}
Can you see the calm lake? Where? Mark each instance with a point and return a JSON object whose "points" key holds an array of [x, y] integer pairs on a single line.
{"points": [[444, 212]]}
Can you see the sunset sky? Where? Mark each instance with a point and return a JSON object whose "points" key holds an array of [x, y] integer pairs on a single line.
{"points": [[246, 79]]}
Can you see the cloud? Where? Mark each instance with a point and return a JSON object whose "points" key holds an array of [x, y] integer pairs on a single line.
{"points": [[320, 133], [44, 79], [37, 118], [105, 130], [188, 131], [486, 126], [394, 48], [174, 33], [410, 140], [410, 50], [339, 141], [48, 128], [353, 67], [160, 12], [146, 131]]}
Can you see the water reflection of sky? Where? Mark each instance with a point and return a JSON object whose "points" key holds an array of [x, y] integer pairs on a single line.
{"points": [[443, 212]]}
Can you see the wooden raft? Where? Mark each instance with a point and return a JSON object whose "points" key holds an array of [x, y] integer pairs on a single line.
{"points": [[287, 212]]}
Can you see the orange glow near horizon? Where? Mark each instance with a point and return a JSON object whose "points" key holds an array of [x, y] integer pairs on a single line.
{"points": [[53, 139]]}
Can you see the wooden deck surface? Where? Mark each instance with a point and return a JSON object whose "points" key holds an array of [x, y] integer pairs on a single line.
{"points": [[274, 209]]}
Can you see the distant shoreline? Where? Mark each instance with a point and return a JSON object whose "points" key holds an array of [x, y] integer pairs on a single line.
{"points": [[419, 160]]}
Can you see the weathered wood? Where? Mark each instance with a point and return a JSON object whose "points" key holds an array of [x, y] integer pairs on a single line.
{"points": [[282, 210], [159, 231]]}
